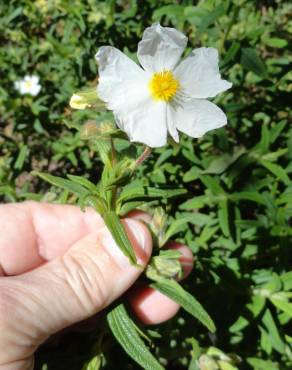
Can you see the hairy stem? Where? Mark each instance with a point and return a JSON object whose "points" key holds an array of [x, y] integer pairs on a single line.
{"points": [[146, 153], [114, 161], [113, 152]]}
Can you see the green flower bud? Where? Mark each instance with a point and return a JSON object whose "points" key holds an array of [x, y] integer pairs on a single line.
{"points": [[86, 99]]}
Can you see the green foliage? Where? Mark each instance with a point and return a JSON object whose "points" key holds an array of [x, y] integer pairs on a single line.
{"points": [[228, 195], [174, 291], [126, 333]]}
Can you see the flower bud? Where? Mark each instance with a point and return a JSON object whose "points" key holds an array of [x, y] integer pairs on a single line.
{"points": [[86, 99]]}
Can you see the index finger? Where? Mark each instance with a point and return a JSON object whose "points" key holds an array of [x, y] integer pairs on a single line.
{"points": [[32, 233]]}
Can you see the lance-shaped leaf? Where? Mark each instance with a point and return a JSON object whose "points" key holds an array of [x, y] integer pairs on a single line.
{"points": [[22, 155], [97, 203], [174, 291], [83, 182], [281, 302], [65, 184], [252, 62], [277, 170], [126, 334], [144, 192], [248, 195], [118, 232]]}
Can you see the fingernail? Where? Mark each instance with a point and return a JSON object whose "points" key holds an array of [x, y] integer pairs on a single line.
{"points": [[140, 239]]}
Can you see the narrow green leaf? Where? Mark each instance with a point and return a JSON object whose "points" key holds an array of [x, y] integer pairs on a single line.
{"points": [[192, 174], [264, 143], [94, 364], [282, 305], [223, 217], [275, 42], [274, 334], [196, 202], [174, 228], [173, 11], [210, 18], [9, 18], [287, 280], [265, 341], [84, 182], [223, 162], [259, 364], [163, 157], [23, 152], [103, 147], [118, 232], [248, 195], [128, 207], [277, 171], [212, 184], [126, 334], [97, 203], [256, 305], [276, 130], [273, 156], [62, 183], [239, 325], [174, 291], [231, 53], [206, 234], [140, 192], [252, 62]]}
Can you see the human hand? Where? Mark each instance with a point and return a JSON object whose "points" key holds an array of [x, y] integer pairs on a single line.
{"points": [[59, 266]]}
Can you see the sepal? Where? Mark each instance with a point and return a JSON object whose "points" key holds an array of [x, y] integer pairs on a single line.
{"points": [[87, 98]]}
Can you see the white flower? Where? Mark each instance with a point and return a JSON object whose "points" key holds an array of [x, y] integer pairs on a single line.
{"points": [[28, 85], [164, 96]]}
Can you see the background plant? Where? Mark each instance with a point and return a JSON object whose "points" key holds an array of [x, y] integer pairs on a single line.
{"points": [[236, 213]]}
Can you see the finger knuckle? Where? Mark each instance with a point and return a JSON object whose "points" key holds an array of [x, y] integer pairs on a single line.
{"points": [[86, 282]]}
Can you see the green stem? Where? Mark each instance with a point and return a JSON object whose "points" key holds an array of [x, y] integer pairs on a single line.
{"points": [[113, 161], [113, 152], [226, 34]]}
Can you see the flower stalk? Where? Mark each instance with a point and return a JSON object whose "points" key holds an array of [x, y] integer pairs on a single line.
{"points": [[145, 154]]}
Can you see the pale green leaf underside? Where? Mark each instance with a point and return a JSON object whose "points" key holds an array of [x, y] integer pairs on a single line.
{"points": [[126, 334], [118, 232], [174, 291]]}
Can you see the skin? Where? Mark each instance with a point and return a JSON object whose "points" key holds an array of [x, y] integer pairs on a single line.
{"points": [[60, 266]]}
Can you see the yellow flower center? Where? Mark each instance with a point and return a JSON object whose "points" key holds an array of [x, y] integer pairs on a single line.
{"points": [[163, 85], [28, 84]]}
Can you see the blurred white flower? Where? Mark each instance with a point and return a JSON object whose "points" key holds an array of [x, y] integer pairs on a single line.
{"points": [[164, 96], [28, 85]]}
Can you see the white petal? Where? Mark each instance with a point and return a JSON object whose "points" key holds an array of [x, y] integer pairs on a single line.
{"points": [[171, 124], [196, 117], [199, 74], [17, 85], [35, 79], [34, 90], [160, 48], [122, 83], [22, 87], [146, 123]]}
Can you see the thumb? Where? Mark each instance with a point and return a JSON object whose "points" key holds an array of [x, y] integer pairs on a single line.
{"points": [[88, 277]]}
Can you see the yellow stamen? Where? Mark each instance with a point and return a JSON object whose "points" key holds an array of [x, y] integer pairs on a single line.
{"points": [[163, 85], [28, 84]]}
